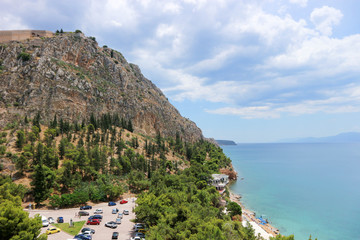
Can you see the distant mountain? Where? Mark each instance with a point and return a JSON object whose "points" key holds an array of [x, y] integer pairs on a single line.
{"points": [[342, 137], [225, 142]]}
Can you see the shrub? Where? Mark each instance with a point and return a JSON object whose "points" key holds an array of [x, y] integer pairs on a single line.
{"points": [[78, 31], [24, 56], [2, 150]]}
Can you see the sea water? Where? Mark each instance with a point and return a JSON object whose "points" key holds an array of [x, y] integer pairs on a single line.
{"points": [[301, 188]]}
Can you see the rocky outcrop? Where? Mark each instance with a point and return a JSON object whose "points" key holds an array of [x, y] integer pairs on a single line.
{"points": [[71, 76]]}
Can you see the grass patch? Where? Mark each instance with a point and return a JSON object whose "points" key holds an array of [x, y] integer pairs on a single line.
{"points": [[71, 230]]}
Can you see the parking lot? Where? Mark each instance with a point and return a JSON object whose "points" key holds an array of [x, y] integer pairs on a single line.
{"points": [[125, 229]]}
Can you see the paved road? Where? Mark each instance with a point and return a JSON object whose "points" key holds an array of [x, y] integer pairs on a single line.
{"points": [[101, 232]]}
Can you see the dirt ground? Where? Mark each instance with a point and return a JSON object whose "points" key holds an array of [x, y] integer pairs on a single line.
{"points": [[125, 229]]}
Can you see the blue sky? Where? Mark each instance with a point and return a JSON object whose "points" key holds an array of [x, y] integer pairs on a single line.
{"points": [[245, 70]]}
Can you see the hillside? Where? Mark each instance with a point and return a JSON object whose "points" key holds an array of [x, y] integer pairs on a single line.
{"points": [[79, 125], [71, 76]]}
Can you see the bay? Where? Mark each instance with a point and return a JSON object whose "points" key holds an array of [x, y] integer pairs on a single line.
{"points": [[302, 188]]}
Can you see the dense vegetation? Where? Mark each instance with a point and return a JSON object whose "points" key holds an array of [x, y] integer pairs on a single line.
{"points": [[14, 221], [72, 163]]}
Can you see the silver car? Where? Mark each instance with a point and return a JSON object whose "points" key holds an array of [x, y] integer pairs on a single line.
{"points": [[111, 224]]}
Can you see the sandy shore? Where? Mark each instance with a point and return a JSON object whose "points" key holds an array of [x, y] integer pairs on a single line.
{"points": [[249, 217]]}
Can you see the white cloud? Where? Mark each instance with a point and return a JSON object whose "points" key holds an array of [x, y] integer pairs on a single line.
{"points": [[301, 3], [271, 29], [325, 18], [321, 56], [172, 7], [11, 22], [346, 100], [112, 14], [247, 112]]}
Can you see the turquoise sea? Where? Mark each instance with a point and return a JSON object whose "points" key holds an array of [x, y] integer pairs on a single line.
{"points": [[302, 188]]}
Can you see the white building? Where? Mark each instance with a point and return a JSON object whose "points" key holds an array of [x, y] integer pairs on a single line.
{"points": [[219, 181]]}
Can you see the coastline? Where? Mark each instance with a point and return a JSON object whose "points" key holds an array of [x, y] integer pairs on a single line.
{"points": [[265, 230]]}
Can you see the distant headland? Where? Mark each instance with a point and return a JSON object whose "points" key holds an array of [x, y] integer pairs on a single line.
{"points": [[225, 142]]}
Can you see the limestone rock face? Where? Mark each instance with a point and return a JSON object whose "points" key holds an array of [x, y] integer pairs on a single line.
{"points": [[71, 76]]}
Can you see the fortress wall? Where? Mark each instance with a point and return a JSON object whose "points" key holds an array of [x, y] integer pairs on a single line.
{"points": [[19, 35]]}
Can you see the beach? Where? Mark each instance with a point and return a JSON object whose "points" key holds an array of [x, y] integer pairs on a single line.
{"points": [[265, 229]]}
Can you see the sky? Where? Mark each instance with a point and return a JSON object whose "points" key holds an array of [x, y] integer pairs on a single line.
{"points": [[242, 70]]}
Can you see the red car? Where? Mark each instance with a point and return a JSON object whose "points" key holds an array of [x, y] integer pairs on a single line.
{"points": [[123, 201], [93, 222]]}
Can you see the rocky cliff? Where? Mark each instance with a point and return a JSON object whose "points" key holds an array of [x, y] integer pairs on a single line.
{"points": [[71, 76]]}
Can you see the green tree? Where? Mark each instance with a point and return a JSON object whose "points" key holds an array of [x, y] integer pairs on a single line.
{"points": [[50, 135], [22, 164], [20, 139], [43, 181], [15, 223], [36, 121], [282, 237], [130, 126], [234, 209]]}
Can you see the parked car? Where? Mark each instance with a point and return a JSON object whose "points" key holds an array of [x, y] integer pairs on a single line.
{"points": [[60, 219], [52, 230], [120, 215], [140, 234], [137, 238], [99, 217], [45, 223], [139, 225], [111, 224], [88, 234], [114, 211], [86, 207], [84, 213], [98, 211], [82, 237], [118, 220], [51, 220], [111, 204], [115, 235], [126, 212], [123, 201], [88, 229], [93, 222]]}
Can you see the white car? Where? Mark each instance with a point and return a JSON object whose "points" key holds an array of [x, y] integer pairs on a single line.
{"points": [[118, 220], [137, 238], [87, 233], [45, 223], [98, 211], [126, 212]]}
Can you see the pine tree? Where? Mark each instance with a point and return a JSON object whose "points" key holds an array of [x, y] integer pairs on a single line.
{"points": [[42, 183], [130, 126], [36, 121], [20, 139], [39, 154], [21, 164], [54, 122]]}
